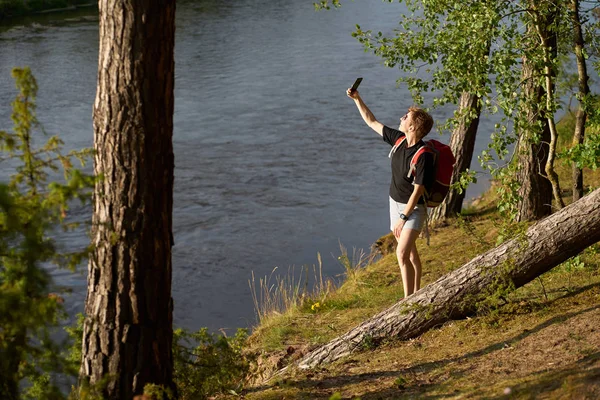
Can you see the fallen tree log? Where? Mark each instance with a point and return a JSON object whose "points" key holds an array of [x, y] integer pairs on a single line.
{"points": [[511, 265]]}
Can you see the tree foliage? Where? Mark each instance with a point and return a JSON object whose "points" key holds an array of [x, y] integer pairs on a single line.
{"points": [[32, 206], [14, 8], [208, 364], [587, 154], [444, 48]]}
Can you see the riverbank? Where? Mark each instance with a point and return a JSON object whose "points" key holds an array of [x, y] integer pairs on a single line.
{"points": [[16, 9], [541, 340]]}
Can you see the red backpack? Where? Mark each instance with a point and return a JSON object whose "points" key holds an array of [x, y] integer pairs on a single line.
{"points": [[443, 160]]}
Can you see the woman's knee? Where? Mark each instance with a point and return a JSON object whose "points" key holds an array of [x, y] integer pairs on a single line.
{"points": [[403, 254], [414, 256]]}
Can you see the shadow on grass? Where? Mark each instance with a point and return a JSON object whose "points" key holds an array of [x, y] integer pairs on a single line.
{"points": [[429, 366], [336, 383], [578, 378]]}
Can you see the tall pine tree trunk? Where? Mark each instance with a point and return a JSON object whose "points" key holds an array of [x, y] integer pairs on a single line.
{"points": [[535, 190], [584, 90], [128, 328], [462, 144]]}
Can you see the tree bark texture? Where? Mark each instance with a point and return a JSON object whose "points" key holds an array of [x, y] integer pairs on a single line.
{"points": [[544, 20], [535, 189], [546, 244], [462, 144], [128, 327], [584, 90]]}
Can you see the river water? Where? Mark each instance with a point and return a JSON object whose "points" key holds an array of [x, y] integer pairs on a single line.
{"points": [[273, 162]]}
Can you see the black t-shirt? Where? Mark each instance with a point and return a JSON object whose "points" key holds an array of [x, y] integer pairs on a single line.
{"points": [[401, 187]]}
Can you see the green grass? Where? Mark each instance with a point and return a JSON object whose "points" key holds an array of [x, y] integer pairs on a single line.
{"points": [[372, 288], [540, 341]]}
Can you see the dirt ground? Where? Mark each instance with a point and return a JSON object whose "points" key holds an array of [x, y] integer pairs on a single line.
{"points": [[552, 352]]}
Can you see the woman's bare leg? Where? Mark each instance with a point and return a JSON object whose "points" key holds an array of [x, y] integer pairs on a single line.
{"points": [[406, 243], [415, 260]]}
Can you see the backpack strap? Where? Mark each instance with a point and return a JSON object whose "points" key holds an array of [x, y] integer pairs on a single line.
{"points": [[415, 158], [396, 145]]}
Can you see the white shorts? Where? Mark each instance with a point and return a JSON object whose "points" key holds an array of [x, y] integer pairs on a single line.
{"points": [[416, 219]]}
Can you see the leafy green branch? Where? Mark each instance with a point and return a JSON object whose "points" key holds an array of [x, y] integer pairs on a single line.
{"points": [[31, 208]]}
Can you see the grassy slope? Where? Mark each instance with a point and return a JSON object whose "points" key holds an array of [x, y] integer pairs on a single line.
{"points": [[543, 343]]}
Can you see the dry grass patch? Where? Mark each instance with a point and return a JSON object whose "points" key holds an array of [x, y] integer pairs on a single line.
{"points": [[542, 341], [549, 350], [367, 291]]}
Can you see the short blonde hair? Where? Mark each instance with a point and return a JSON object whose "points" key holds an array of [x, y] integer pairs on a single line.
{"points": [[422, 121]]}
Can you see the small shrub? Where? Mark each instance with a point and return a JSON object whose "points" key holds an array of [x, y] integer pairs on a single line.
{"points": [[32, 207], [400, 382], [571, 267], [207, 364], [158, 392], [368, 342]]}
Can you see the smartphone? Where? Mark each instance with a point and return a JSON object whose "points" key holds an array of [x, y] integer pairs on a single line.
{"points": [[356, 83]]}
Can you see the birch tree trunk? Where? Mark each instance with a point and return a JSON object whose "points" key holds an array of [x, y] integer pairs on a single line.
{"points": [[534, 189], [584, 90], [544, 19], [462, 144], [545, 244], [128, 327]]}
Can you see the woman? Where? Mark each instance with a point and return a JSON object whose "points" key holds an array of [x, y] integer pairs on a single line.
{"points": [[408, 211]]}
